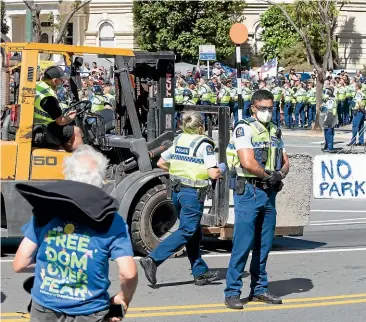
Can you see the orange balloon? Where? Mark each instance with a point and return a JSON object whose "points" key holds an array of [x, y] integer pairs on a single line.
{"points": [[238, 33]]}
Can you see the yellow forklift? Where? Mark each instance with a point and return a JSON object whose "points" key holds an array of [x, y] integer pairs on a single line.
{"points": [[140, 129]]}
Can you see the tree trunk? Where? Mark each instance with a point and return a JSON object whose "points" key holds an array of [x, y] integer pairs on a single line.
{"points": [[319, 100]]}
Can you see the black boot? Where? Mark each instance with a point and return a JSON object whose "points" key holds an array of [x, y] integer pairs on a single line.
{"points": [[149, 267], [266, 297], [206, 278], [234, 302]]}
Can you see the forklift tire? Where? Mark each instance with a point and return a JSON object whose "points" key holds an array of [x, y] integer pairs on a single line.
{"points": [[154, 218]]}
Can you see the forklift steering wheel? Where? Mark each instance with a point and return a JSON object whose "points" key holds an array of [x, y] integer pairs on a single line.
{"points": [[80, 107]]}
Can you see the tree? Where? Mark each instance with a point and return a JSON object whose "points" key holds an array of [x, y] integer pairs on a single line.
{"points": [[61, 26], [181, 26], [326, 13], [278, 34], [4, 25]]}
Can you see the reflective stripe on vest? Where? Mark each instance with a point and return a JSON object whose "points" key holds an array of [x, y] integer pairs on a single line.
{"points": [[262, 140], [178, 97], [247, 94], [226, 98], [40, 115], [277, 94], [206, 97], [98, 104], [312, 96], [185, 165]]}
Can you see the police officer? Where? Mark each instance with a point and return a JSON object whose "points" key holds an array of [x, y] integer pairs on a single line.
{"points": [[341, 98], [277, 94], [300, 97], [191, 163], [178, 97], [288, 109], [247, 96], [256, 154], [311, 99], [328, 118], [192, 87], [98, 100], [358, 121], [350, 95], [47, 110], [224, 94]]}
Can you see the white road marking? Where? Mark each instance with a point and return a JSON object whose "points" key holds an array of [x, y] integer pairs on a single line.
{"points": [[331, 210], [290, 252], [339, 223], [336, 220]]}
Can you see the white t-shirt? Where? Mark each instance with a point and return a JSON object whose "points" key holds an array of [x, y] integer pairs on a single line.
{"points": [[205, 151], [242, 138]]}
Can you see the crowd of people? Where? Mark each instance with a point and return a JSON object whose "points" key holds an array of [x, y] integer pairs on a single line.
{"points": [[294, 99], [97, 87]]}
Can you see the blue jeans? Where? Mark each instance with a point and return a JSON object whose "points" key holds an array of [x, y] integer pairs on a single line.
{"points": [[246, 110], [276, 115], [329, 138], [288, 114], [299, 110], [358, 126], [255, 222], [311, 114], [189, 233]]}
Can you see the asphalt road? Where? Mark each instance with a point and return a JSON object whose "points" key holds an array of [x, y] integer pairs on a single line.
{"points": [[321, 275]]}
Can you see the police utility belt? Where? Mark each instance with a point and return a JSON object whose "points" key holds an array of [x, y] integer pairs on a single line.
{"points": [[240, 183], [177, 184]]}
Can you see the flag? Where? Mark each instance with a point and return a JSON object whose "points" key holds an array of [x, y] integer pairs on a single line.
{"points": [[269, 68]]}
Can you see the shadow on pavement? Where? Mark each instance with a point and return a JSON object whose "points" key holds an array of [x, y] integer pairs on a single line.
{"points": [[222, 277], [3, 297], [290, 243], [291, 286]]}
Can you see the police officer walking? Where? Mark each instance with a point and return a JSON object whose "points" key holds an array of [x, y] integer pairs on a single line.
{"points": [[358, 120], [256, 154], [191, 162]]}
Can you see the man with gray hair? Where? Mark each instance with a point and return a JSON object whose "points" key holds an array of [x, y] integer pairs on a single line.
{"points": [[74, 231]]}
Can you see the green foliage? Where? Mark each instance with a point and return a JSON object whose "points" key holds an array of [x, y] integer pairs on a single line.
{"points": [[4, 26], [293, 55], [279, 33], [181, 26]]}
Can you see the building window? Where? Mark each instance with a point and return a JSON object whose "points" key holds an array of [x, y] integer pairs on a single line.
{"points": [[44, 38], [45, 24], [106, 35], [69, 34]]}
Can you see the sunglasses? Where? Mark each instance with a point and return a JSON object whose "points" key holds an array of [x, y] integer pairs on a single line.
{"points": [[264, 108]]}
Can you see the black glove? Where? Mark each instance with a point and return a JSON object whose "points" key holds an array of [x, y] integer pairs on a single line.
{"points": [[274, 177]]}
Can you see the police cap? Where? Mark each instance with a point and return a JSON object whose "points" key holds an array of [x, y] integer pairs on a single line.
{"points": [[54, 72]]}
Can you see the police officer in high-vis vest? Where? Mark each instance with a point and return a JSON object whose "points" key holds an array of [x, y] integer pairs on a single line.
{"points": [[47, 110], [99, 100], [358, 106], [191, 163], [258, 163], [328, 118]]}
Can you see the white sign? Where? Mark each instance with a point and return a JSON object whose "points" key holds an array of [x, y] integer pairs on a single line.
{"points": [[339, 176], [207, 52]]}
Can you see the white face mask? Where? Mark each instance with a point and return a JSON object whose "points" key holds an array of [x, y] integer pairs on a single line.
{"points": [[265, 116]]}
